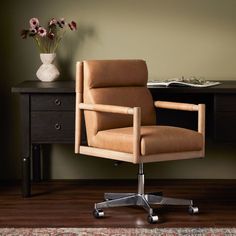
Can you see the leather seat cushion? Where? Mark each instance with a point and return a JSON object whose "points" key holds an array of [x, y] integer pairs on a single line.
{"points": [[154, 140]]}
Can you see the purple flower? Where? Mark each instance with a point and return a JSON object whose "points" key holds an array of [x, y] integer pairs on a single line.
{"points": [[72, 25], [34, 22], [33, 31], [51, 35], [52, 22], [42, 32], [24, 33], [61, 23]]}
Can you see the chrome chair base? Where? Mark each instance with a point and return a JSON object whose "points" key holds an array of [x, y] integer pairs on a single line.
{"points": [[140, 199]]}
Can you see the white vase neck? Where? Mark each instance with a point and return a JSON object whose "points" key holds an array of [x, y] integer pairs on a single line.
{"points": [[47, 58]]}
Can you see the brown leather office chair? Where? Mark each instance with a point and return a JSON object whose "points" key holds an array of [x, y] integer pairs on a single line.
{"points": [[120, 122]]}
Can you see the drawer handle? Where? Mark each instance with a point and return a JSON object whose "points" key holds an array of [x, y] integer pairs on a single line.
{"points": [[57, 126], [57, 102]]}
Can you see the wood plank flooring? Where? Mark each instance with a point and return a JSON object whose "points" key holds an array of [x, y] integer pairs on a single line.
{"points": [[70, 204]]}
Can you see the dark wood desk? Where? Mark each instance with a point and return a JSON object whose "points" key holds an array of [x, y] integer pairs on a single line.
{"points": [[47, 116]]}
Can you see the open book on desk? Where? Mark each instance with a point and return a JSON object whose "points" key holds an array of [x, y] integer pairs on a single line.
{"points": [[191, 82]]}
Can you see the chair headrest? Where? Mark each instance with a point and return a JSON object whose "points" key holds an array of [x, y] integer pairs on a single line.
{"points": [[115, 73]]}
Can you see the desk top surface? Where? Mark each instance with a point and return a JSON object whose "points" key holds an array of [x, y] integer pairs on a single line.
{"points": [[68, 86]]}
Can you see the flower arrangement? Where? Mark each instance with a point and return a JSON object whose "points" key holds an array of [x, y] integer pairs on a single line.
{"points": [[47, 39]]}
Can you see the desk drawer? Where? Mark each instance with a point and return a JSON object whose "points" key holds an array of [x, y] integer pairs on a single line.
{"points": [[52, 127], [225, 102], [52, 102]]}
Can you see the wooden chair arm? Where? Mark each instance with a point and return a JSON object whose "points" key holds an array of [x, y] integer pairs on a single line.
{"points": [[107, 108], [200, 108], [176, 106], [136, 112]]}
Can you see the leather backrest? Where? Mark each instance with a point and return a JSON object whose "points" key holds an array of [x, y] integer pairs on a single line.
{"points": [[115, 82]]}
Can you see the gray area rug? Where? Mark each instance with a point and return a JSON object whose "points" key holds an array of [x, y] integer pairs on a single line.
{"points": [[117, 231]]}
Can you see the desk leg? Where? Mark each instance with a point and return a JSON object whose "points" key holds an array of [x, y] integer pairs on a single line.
{"points": [[26, 185], [26, 144], [36, 159]]}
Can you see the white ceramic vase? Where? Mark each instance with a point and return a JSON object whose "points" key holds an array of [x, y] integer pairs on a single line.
{"points": [[47, 72]]}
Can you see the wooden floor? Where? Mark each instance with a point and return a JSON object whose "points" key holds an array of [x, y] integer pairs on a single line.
{"points": [[70, 204]]}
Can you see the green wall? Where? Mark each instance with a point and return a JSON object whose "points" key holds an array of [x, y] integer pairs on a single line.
{"points": [[175, 37]]}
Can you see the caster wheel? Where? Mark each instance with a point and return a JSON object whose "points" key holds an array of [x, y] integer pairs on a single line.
{"points": [[97, 213], [152, 219], [193, 210]]}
